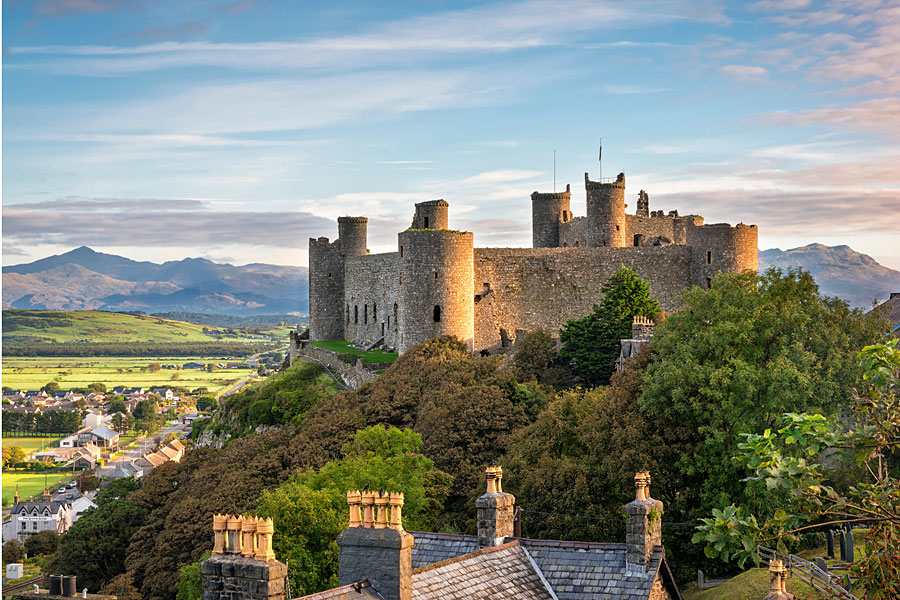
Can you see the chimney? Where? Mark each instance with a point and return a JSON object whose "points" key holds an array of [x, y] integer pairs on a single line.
{"points": [[242, 565], [16, 497], [47, 496], [643, 526], [495, 510], [376, 547], [642, 328], [777, 581]]}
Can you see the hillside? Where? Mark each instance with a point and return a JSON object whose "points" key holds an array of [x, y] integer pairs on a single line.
{"points": [[839, 271], [28, 326], [84, 279]]}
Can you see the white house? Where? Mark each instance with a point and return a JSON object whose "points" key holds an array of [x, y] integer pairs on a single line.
{"points": [[28, 518], [92, 419]]}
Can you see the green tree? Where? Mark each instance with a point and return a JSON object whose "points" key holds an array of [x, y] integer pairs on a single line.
{"points": [[591, 344], [122, 587], [117, 405], [790, 460], [42, 543], [97, 387], [309, 510], [12, 455], [93, 549], [118, 489], [13, 551], [206, 403], [737, 356], [537, 359], [190, 583], [51, 387]]}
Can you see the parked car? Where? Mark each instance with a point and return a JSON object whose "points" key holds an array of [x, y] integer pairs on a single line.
{"points": [[70, 496], [61, 490], [70, 485]]}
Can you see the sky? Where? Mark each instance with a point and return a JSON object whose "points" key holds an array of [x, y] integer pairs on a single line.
{"points": [[236, 130]]}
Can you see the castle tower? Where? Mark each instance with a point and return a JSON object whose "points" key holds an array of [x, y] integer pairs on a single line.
{"points": [[606, 211], [721, 248], [436, 286], [352, 233], [547, 212], [431, 215], [326, 277], [643, 204]]}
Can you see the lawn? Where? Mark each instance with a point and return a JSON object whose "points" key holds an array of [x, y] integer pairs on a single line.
{"points": [[30, 484], [372, 356], [31, 373], [28, 444]]}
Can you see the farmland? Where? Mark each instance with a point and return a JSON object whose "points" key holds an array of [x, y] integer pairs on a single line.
{"points": [[30, 484], [31, 373], [29, 444]]}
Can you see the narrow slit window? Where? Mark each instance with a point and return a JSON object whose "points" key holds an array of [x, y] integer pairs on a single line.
{"points": [[708, 257], [401, 251], [356, 314], [395, 314], [437, 313], [708, 283], [435, 274], [382, 329], [426, 222], [374, 312], [366, 314], [348, 313]]}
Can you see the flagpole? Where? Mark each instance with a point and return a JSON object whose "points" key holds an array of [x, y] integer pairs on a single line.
{"points": [[554, 171], [600, 159]]}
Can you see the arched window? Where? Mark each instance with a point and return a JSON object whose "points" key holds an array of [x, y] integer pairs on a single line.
{"points": [[437, 313]]}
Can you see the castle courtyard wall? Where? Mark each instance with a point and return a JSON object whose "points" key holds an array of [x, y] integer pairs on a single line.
{"points": [[534, 288], [371, 291]]}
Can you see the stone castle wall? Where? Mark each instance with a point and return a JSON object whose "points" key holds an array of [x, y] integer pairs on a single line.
{"points": [[543, 287], [548, 212], [721, 248], [326, 290], [372, 292]]}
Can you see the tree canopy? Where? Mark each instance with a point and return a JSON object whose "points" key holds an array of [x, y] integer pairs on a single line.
{"points": [[591, 344]]}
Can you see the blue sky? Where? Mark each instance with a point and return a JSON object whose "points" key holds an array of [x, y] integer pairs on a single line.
{"points": [[237, 130]]}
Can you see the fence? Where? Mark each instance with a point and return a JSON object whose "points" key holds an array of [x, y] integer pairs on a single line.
{"points": [[822, 581]]}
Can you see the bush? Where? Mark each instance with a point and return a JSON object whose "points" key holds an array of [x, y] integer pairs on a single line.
{"points": [[45, 542], [13, 552]]}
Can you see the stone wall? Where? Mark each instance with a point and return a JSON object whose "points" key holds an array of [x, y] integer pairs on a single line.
{"points": [[371, 293], [326, 290], [548, 211], [436, 287], [235, 577], [721, 248], [606, 212], [354, 375], [543, 287]]}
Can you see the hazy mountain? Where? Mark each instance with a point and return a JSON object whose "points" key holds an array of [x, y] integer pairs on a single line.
{"points": [[839, 271], [85, 279]]}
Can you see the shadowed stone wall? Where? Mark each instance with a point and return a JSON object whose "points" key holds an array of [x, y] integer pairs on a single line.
{"points": [[235, 577]]}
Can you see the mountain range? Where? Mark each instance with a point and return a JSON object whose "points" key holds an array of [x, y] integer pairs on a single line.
{"points": [[85, 279]]}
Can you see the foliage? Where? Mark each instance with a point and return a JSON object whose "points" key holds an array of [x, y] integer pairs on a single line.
{"points": [[12, 455], [536, 359], [50, 387], [117, 405], [43, 542], [97, 387], [51, 421], [13, 551], [88, 481], [591, 344], [736, 357], [93, 549], [786, 460], [310, 508], [206, 403], [190, 583], [118, 489], [122, 587]]}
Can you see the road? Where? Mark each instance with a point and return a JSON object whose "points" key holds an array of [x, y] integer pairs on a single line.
{"points": [[145, 443]]}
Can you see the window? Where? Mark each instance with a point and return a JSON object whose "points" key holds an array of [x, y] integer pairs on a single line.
{"points": [[348, 313], [382, 329], [356, 314], [426, 222], [435, 274], [617, 227], [374, 312], [577, 243], [395, 315], [329, 276], [437, 313], [637, 239], [708, 282], [401, 251], [366, 314], [708, 257]]}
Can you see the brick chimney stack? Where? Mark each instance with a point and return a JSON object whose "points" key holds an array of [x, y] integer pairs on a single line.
{"points": [[643, 526], [495, 510], [376, 547]]}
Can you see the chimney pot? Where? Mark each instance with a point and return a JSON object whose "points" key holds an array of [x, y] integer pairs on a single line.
{"points": [[643, 526], [496, 517]]}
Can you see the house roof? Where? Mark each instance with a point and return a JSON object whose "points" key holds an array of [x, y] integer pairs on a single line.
{"points": [[104, 432], [53, 506], [355, 591], [498, 573], [574, 570], [175, 444], [169, 452]]}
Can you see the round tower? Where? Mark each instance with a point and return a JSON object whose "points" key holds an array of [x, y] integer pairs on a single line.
{"points": [[352, 233], [437, 286], [547, 212], [606, 211], [431, 215]]}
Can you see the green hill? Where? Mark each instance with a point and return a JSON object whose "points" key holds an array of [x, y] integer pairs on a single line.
{"points": [[53, 326]]}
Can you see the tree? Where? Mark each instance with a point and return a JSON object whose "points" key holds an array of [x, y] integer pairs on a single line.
{"points": [[206, 403], [117, 405], [153, 367], [536, 359], [122, 587], [118, 489], [43, 542], [50, 387], [190, 583], [791, 460], [93, 549], [310, 508], [736, 357], [591, 344], [13, 551], [97, 387], [88, 481], [12, 455]]}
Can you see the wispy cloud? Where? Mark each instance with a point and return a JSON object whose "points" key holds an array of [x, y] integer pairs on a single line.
{"points": [[880, 115], [625, 90], [748, 73]]}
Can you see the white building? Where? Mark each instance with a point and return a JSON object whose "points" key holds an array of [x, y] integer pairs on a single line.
{"points": [[28, 518]]}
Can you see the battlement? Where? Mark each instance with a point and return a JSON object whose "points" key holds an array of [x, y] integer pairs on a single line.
{"points": [[553, 195], [606, 182], [432, 214], [342, 220]]}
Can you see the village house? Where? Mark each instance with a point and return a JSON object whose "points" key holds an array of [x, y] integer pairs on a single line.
{"points": [[379, 560], [29, 518]]}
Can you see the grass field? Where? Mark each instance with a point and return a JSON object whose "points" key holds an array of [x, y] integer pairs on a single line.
{"points": [[29, 484], [31, 373], [345, 347], [37, 326], [28, 444]]}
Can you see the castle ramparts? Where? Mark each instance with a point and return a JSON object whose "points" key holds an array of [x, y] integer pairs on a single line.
{"points": [[438, 283]]}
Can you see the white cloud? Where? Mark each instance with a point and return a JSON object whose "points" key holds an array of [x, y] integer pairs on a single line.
{"points": [[746, 72]]}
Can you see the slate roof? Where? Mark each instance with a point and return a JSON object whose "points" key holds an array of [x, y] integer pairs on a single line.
{"points": [[498, 573], [355, 591], [104, 432], [430, 548], [53, 506]]}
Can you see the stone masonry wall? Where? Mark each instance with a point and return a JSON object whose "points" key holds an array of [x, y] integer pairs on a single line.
{"points": [[721, 248], [355, 375], [542, 287], [371, 292], [234, 577], [326, 290]]}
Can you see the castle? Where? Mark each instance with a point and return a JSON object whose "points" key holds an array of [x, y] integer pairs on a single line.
{"points": [[437, 283]]}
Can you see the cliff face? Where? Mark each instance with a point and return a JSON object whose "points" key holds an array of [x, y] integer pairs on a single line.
{"points": [[839, 271]]}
